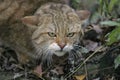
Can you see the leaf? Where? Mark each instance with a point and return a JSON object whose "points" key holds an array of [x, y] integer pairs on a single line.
{"points": [[89, 46], [112, 4], [38, 70], [84, 50], [95, 18], [114, 36], [81, 77], [77, 1], [110, 23], [117, 61]]}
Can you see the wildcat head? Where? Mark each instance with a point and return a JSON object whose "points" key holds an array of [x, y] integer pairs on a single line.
{"points": [[56, 28]]}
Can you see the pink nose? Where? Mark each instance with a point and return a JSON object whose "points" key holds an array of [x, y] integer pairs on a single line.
{"points": [[62, 45]]}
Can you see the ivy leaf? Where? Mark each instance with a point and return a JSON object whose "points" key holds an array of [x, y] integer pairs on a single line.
{"points": [[114, 36], [110, 23], [117, 61]]}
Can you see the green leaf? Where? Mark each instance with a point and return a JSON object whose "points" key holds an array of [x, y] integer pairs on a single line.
{"points": [[77, 1], [112, 4], [117, 61], [110, 23], [114, 36]]}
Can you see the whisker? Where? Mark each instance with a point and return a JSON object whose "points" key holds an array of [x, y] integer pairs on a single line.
{"points": [[76, 55], [49, 59]]}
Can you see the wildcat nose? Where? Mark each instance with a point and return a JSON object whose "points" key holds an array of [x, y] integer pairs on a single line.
{"points": [[62, 45]]}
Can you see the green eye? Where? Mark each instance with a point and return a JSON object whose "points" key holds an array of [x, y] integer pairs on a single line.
{"points": [[51, 34], [70, 34]]}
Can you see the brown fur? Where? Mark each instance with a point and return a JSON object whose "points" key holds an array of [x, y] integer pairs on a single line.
{"points": [[34, 39]]}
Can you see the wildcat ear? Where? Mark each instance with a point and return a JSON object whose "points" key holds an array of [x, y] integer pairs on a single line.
{"points": [[83, 14], [30, 21]]}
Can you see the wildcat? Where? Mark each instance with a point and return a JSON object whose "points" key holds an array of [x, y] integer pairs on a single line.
{"points": [[55, 29]]}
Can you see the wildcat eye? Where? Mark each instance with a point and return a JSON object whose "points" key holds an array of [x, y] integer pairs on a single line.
{"points": [[70, 34], [51, 34]]}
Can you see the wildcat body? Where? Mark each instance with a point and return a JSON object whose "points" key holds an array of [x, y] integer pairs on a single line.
{"points": [[52, 30]]}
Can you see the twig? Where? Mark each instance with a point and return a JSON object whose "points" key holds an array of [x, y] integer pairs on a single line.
{"points": [[86, 73], [79, 66]]}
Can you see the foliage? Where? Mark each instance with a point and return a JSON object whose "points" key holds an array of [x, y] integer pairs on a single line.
{"points": [[117, 61], [108, 13], [113, 36], [109, 10], [75, 4], [110, 23]]}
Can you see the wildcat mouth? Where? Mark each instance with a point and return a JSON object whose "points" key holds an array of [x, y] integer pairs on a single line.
{"points": [[59, 50], [60, 53]]}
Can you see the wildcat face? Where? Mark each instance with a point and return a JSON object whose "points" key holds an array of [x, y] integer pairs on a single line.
{"points": [[57, 28]]}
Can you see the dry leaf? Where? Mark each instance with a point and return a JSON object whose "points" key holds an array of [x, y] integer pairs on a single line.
{"points": [[38, 70], [59, 70], [81, 77], [91, 45], [97, 28]]}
